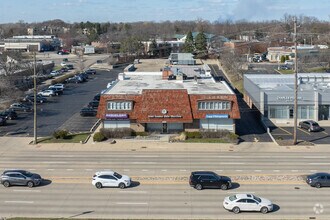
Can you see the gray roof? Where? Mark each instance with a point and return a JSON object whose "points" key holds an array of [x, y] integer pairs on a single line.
{"points": [[136, 83], [306, 81]]}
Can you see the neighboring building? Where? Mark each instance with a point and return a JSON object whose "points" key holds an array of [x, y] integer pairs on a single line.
{"points": [[87, 49], [149, 101], [32, 43], [176, 46], [273, 96], [275, 53], [182, 59]]}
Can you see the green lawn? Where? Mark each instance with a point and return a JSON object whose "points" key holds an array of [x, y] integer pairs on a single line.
{"points": [[286, 71], [74, 138]]}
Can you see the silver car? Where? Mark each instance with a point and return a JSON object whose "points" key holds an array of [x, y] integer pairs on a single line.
{"points": [[20, 178], [247, 202]]}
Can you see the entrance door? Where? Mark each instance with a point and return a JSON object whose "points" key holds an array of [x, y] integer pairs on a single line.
{"points": [[164, 127], [324, 112]]}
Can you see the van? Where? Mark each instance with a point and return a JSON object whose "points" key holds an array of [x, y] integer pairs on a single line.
{"points": [[289, 62]]}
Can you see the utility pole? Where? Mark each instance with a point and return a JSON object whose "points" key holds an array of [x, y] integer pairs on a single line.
{"points": [[35, 99], [295, 108]]}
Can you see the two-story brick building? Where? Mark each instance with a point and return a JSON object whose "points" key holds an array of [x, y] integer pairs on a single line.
{"points": [[151, 102]]}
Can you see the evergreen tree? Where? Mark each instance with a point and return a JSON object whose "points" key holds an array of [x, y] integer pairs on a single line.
{"points": [[201, 44], [153, 48], [188, 46]]}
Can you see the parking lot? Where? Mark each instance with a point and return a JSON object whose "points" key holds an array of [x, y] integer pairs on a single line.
{"points": [[62, 112], [286, 133]]}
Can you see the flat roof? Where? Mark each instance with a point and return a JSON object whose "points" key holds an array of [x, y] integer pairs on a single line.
{"points": [[134, 84], [306, 81]]}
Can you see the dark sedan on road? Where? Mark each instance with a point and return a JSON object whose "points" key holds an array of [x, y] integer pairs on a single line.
{"points": [[318, 180], [20, 178], [310, 125], [88, 112], [93, 104], [208, 179]]}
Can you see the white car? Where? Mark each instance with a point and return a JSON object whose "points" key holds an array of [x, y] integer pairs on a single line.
{"points": [[63, 64], [55, 73], [110, 178], [47, 92], [58, 85], [247, 202]]}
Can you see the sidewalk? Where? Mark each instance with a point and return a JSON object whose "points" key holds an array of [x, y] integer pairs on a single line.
{"points": [[22, 144]]}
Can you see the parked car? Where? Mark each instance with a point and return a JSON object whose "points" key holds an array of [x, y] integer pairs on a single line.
{"points": [[3, 121], [63, 64], [90, 71], [57, 91], [65, 60], [290, 62], [70, 66], [285, 67], [75, 79], [55, 73], [88, 112], [47, 92], [99, 61], [20, 178], [318, 180], [8, 114], [208, 179], [58, 85], [110, 179], [93, 104], [20, 107], [30, 98], [309, 125], [247, 202], [97, 97]]}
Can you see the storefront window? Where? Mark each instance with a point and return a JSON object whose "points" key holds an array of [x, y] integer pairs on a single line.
{"points": [[278, 111]]}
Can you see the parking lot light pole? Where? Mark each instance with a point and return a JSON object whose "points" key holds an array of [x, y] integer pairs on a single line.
{"points": [[295, 107]]}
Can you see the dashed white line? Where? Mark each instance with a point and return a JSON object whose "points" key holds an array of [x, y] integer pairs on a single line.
{"points": [[132, 203], [257, 170], [32, 169], [183, 170], [163, 170], [27, 190], [144, 170], [133, 192], [142, 162], [89, 169], [126, 170], [239, 170], [313, 170], [276, 170], [150, 156], [315, 157], [48, 162], [25, 202], [319, 163], [50, 169], [294, 170], [219, 170], [229, 163], [69, 169]]}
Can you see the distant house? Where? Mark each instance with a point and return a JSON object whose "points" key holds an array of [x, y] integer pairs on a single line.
{"points": [[87, 49]]}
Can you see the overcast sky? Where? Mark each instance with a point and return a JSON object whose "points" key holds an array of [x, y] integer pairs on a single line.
{"points": [[158, 10]]}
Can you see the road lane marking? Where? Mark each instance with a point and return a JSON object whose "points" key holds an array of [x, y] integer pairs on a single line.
{"points": [[27, 190], [319, 163], [257, 170], [144, 170], [131, 203], [238, 170], [163, 170], [219, 170], [276, 170], [60, 162], [61, 155], [32, 169], [325, 133], [133, 192], [149, 156], [230, 163], [315, 157], [142, 162], [89, 169], [183, 170], [304, 131], [50, 169], [69, 169], [25, 202], [313, 170], [294, 170], [229, 156]]}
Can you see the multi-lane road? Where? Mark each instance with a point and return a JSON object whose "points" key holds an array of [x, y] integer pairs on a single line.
{"points": [[160, 188]]}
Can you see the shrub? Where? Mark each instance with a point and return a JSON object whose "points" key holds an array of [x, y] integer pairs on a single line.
{"points": [[60, 134], [194, 134], [117, 132], [98, 137], [143, 133], [282, 59]]}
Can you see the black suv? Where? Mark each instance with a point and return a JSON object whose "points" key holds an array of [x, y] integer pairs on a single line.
{"points": [[88, 112], [318, 180], [208, 179], [93, 104], [20, 178]]}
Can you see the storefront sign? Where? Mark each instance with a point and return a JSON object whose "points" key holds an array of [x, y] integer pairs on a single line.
{"points": [[164, 116], [287, 98], [217, 116], [116, 116]]}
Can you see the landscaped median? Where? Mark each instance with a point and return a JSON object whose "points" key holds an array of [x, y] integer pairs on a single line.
{"points": [[65, 137]]}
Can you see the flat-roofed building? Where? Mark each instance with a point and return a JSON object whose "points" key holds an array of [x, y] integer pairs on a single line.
{"points": [[148, 101]]}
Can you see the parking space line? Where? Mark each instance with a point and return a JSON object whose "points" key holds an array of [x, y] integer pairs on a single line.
{"points": [[306, 132], [285, 130], [325, 133]]}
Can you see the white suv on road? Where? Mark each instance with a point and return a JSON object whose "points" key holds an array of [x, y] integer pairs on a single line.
{"points": [[110, 179]]}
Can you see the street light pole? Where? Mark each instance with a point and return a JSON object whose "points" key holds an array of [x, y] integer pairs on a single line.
{"points": [[295, 109], [35, 99]]}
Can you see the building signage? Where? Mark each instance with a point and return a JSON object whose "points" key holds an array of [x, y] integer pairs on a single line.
{"points": [[164, 116], [217, 116], [288, 98], [116, 116]]}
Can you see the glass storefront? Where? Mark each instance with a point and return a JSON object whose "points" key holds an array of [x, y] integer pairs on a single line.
{"points": [[286, 111]]}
